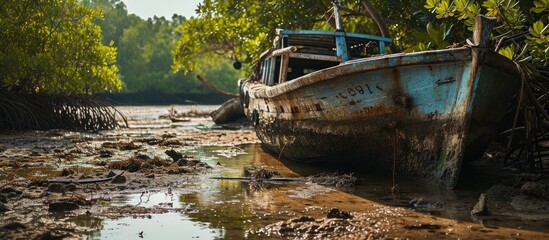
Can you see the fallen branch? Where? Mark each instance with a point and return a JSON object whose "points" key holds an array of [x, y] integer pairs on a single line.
{"points": [[251, 179], [83, 181]]}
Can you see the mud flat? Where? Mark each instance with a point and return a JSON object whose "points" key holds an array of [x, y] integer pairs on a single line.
{"points": [[154, 181]]}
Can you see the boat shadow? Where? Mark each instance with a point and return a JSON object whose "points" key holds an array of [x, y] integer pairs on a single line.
{"points": [[435, 201]]}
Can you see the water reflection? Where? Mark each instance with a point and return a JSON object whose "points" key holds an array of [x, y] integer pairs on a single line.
{"points": [[157, 226], [148, 199], [226, 209]]}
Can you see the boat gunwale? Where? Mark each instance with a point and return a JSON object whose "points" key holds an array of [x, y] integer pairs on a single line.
{"points": [[361, 65], [380, 62]]}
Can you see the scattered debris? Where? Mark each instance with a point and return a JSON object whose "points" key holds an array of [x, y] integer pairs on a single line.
{"points": [[136, 164], [334, 179], [346, 225], [336, 213], [259, 172], [191, 113], [150, 141], [421, 203], [171, 143], [425, 226], [122, 145], [81, 180]]}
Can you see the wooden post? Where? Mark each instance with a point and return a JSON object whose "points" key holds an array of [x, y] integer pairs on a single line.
{"points": [[483, 28]]}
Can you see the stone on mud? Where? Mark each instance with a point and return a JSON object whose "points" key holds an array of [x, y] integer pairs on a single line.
{"points": [[337, 213], [536, 189], [143, 156], [105, 153], [119, 179], [174, 155], [10, 193], [421, 203], [525, 202], [303, 219], [9, 190], [48, 235], [3, 208], [13, 226], [182, 162], [111, 174], [63, 206], [56, 187], [534, 197], [480, 208], [70, 187], [502, 193]]}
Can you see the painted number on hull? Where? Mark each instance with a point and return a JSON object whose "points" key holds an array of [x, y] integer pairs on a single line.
{"points": [[353, 91]]}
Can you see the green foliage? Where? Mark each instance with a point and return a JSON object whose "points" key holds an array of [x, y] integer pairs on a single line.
{"points": [[541, 6], [239, 30], [538, 42], [53, 46], [236, 29], [435, 38], [144, 53], [508, 52], [533, 53]]}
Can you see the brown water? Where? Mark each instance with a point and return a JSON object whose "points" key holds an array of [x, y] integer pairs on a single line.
{"points": [[224, 209]]}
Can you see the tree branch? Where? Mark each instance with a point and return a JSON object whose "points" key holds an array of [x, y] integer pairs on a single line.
{"points": [[212, 87], [381, 24]]}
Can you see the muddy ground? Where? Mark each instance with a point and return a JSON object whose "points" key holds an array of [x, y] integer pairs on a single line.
{"points": [[154, 181]]}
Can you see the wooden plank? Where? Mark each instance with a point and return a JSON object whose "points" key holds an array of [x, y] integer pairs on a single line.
{"points": [[483, 28]]}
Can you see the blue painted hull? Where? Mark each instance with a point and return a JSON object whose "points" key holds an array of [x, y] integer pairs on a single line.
{"points": [[418, 115]]}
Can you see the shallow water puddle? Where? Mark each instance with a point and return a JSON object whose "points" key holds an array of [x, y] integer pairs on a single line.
{"points": [[164, 199], [206, 208], [157, 226]]}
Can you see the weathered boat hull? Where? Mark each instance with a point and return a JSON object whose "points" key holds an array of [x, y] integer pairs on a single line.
{"points": [[418, 115]]}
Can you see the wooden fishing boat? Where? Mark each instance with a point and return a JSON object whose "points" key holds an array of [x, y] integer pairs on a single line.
{"points": [[336, 96]]}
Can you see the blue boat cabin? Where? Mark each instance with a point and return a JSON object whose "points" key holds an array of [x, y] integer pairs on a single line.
{"points": [[300, 52]]}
